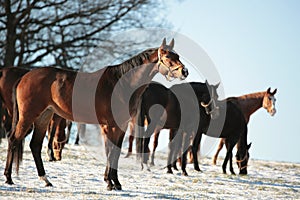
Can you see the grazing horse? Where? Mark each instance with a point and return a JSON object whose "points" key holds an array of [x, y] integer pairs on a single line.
{"points": [[249, 104], [234, 130], [96, 98], [177, 109], [56, 137]]}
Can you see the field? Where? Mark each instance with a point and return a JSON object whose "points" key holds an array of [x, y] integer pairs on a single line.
{"points": [[79, 175]]}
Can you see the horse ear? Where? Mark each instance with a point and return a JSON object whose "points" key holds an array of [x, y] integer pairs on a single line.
{"points": [[274, 92], [172, 43], [217, 85], [249, 145], [206, 82], [164, 43], [269, 90]]}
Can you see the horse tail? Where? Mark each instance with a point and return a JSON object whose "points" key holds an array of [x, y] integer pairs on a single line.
{"points": [[16, 146]]}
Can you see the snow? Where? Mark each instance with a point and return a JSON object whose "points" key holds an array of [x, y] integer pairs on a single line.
{"points": [[79, 175]]}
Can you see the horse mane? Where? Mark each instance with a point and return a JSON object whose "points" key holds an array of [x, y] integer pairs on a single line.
{"points": [[137, 60]]}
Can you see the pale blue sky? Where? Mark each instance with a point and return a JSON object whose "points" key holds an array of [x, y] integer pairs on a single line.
{"points": [[254, 45]]}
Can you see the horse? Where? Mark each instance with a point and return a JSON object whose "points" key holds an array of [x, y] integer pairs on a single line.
{"points": [[9, 78], [56, 137], [176, 108], [249, 104], [94, 98], [234, 131]]}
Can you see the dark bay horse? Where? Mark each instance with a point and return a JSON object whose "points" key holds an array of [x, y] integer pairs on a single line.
{"points": [[249, 104], [9, 77], [232, 129], [231, 126], [173, 108], [100, 97]]}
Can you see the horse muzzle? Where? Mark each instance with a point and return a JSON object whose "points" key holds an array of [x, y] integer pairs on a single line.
{"points": [[272, 112], [184, 73]]}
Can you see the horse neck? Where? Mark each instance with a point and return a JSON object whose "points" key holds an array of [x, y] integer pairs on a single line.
{"points": [[140, 69], [134, 78], [250, 103]]}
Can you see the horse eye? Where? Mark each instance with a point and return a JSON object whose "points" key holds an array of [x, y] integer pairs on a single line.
{"points": [[168, 56]]}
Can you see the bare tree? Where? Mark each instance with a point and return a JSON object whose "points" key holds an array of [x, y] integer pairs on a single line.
{"points": [[63, 32]]}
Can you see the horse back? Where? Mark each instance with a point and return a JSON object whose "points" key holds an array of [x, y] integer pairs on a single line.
{"points": [[46, 87]]}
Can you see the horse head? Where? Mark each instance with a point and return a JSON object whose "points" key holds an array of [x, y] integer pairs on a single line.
{"points": [[242, 158], [209, 104], [269, 101], [57, 149], [169, 63]]}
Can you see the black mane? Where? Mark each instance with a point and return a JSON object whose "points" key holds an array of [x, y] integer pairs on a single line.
{"points": [[137, 60]]}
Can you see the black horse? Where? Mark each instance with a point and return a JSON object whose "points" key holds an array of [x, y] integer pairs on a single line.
{"points": [[231, 126], [173, 108]]}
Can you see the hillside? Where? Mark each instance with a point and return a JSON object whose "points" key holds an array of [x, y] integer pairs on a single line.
{"points": [[80, 176]]}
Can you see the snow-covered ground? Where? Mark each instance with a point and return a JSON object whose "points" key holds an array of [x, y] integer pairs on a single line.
{"points": [[79, 175]]}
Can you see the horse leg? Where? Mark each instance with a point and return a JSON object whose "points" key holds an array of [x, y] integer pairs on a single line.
{"points": [[131, 138], [51, 133], [195, 148], [228, 155], [221, 143], [175, 141], [230, 164], [185, 147], [77, 139], [115, 135], [146, 151], [108, 147], [12, 143], [170, 153], [69, 126], [129, 153], [155, 144], [15, 148], [40, 127]]}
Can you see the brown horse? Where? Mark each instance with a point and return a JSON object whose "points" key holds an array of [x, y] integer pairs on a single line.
{"points": [[56, 137], [249, 104], [100, 97], [8, 79]]}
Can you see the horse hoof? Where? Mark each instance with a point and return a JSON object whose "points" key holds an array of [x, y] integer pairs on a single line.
{"points": [[51, 159], [109, 187], [127, 156], [152, 164], [197, 169], [169, 172], [48, 184], [118, 187], [9, 182], [214, 161], [185, 174]]}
